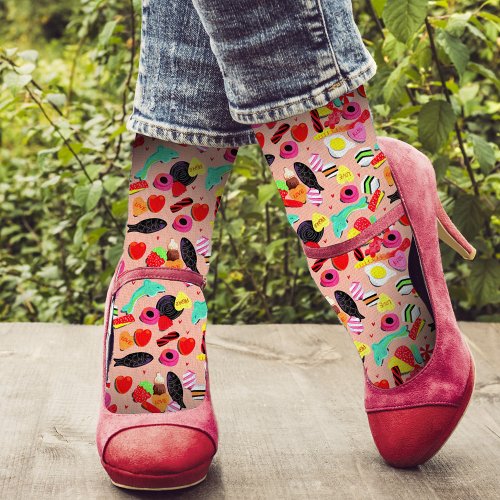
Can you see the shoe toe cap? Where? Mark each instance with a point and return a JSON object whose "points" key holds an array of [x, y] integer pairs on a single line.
{"points": [[409, 437], [158, 450]]}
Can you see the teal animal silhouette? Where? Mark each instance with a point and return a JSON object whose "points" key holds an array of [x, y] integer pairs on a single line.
{"points": [[162, 154], [339, 221], [214, 175], [149, 288], [380, 349], [200, 311]]}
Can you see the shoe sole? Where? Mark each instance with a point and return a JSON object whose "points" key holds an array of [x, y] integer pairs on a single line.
{"points": [[130, 481], [126, 487]]}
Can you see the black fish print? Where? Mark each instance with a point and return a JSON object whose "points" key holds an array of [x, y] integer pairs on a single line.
{"points": [[174, 388], [347, 304], [306, 175], [134, 360], [147, 226], [188, 254]]}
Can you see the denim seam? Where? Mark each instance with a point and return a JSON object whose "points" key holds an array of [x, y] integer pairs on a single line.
{"points": [[180, 135], [245, 116]]}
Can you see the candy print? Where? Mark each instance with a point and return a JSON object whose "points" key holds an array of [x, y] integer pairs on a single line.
{"points": [[148, 226], [134, 360], [347, 304], [175, 389], [149, 288], [188, 254], [162, 154], [306, 175], [369, 287]]}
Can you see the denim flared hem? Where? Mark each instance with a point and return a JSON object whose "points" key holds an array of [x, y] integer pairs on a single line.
{"points": [[186, 135], [319, 96]]}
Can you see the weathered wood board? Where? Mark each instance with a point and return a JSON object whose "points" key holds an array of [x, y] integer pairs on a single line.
{"points": [[290, 412]]}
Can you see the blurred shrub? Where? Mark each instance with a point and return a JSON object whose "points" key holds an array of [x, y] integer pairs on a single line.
{"points": [[66, 86]]}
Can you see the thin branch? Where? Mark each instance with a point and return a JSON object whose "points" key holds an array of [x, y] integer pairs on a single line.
{"points": [[448, 99], [72, 151]]}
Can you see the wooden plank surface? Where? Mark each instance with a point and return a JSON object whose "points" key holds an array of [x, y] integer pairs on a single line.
{"points": [[290, 411]]}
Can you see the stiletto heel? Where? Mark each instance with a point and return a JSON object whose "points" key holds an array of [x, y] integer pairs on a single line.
{"points": [[449, 234]]}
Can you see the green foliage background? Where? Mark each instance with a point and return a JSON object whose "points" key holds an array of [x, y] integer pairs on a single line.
{"points": [[67, 73]]}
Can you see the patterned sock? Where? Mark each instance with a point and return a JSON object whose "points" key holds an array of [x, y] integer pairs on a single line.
{"points": [[335, 182], [156, 347]]}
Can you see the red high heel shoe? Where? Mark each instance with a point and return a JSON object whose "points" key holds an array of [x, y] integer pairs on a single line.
{"points": [[410, 423], [154, 451]]}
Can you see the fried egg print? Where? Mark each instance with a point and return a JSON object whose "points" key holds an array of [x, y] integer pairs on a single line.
{"points": [[379, 274], [338, 145]]}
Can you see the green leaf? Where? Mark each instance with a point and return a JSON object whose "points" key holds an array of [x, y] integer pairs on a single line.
{"points": [[29, 55], [94, 195], [484, 153], [88, 196], [58, 100], [435, 122], [468, 215], [266, 192], [454, 49], [14, 81], [395, 84], [403, 18], [106, 32], [379, 5], [483, 281]]}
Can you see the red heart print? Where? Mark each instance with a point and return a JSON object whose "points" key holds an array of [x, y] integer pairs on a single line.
{"points": [[142, 337], [112, 408], [185, 345], [299, 132], [123, 384], [340, 261], [199, 211], [156, 203], [136, 249]]}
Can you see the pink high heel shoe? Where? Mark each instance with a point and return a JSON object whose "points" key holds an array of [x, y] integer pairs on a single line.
{"points": [[154, 451], [411, 422]]}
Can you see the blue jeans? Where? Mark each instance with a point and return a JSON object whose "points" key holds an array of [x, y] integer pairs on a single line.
{"points": [[209, 69]]}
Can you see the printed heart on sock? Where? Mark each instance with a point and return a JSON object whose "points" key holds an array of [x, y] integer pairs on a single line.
{"points": [[156, 203], [112, 408], [383, 384], [123, 384], [126, 341], [299, 132], [340, 261], [357, 133], [199, 211], [139, 206], [178, 188], [185, 345], [136, 249], [398, 261], [142, 337]]}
